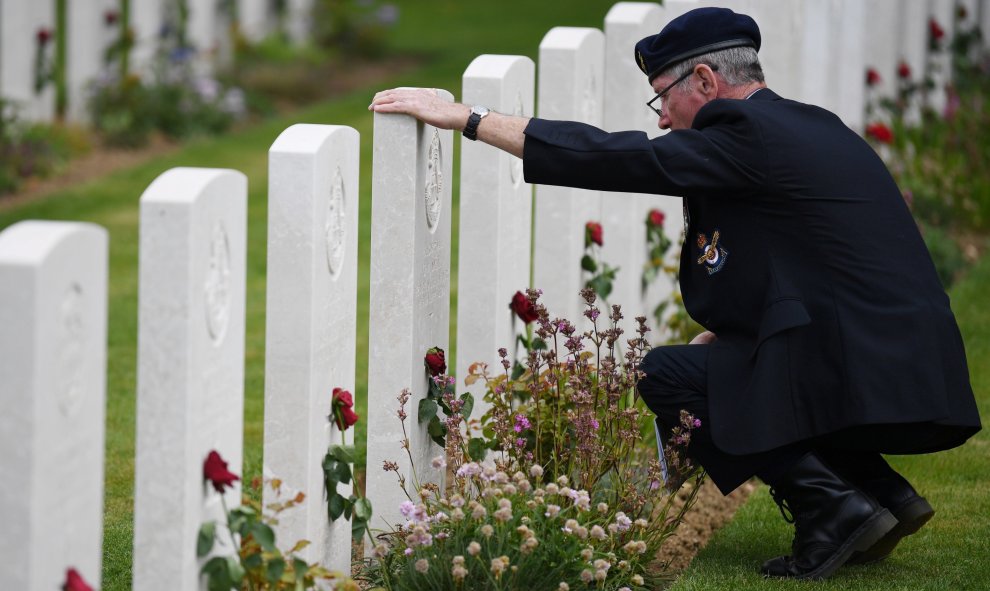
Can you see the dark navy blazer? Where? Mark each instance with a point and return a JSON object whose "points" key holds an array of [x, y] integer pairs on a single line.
{"points": [[802, 257]]}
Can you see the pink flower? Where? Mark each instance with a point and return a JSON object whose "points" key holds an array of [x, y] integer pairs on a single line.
{"points": [[521, 423], [75, 582]]}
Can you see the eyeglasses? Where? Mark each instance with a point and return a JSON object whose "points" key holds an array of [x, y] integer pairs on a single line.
{"points": [[663, 93]]}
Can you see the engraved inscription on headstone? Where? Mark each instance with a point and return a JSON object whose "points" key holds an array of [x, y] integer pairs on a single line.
{"points": [[71, 351], [589, 102], [434, 182], [335, 233], [218, 284]]}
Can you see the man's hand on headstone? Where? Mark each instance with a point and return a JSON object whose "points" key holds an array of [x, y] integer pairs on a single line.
{"points": [[423, 104]]}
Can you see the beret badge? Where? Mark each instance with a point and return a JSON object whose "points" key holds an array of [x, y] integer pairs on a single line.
{"points": [[641, 62]]}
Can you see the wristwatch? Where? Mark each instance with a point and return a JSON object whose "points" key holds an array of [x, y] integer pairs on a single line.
{"points": [[477, 114]]}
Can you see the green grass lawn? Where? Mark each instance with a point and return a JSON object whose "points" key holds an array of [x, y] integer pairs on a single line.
{"points": [[952, 552], [447, 35]]}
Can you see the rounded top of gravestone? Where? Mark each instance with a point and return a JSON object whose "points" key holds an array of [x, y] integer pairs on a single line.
{"points": [[30, 242]]}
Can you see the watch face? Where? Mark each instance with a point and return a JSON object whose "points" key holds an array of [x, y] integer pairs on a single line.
{"points": [[479, 110]]}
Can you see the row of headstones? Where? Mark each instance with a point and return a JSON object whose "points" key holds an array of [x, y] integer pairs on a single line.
{"points": [[92, 26], [191, 338]]}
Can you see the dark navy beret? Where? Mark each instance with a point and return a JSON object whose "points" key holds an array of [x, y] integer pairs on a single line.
{"points": [[694, 33]]}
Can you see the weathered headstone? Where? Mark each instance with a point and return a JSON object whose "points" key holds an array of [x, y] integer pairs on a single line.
{"points": [[496, 214], [21, 23], [410, 296], [53, 310], [190, 397], [310, 325], [570, 87], [623, 214]]}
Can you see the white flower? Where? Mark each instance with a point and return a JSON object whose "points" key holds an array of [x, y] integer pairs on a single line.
{"points": [[422, 565], [598, 533], [622, 522], [439, 462], [473, 548], [636, 580], [536, 471]]}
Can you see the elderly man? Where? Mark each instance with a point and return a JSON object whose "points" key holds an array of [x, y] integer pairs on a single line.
{"points": [[829, 337]]}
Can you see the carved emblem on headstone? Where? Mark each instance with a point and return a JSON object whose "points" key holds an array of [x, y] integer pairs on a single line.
{"points": [[217, 288], [335, 225], [71, 350], [434, 182], [516, 164]]}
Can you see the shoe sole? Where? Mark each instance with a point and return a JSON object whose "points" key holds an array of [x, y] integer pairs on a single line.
{"points": [[861, 540], [910, 518]]}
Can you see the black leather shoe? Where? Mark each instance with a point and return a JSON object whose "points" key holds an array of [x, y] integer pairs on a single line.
{"points": [[872, 474], [832, 520]]}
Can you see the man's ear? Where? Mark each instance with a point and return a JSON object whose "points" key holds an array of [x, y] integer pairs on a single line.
{"points": [[708, 83]]}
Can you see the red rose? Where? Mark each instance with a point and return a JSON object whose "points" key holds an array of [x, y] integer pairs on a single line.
{"points": [[342, 405], [655, 218], [935, 30], [880, 132], [435, 362], [75, 582], [904, 70], [872, 77], [592, 233], [44, 36], [523, 307], [215, 470], [110, 17]]}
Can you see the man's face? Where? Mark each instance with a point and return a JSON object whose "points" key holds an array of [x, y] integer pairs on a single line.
{"points": [[681, 103]]}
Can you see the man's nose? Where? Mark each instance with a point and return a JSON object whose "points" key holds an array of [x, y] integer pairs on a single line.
{"points": [[664, 122]]}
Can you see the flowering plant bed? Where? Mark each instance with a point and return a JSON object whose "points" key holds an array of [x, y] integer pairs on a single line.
{"points": [[557, 487]]}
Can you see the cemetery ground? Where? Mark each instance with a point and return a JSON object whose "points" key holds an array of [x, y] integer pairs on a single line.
{"points": [[950, 553]]}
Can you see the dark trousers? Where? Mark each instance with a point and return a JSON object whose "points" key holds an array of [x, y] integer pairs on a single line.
{"points": [[676, 379]]}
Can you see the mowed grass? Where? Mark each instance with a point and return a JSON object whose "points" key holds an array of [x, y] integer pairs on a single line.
{"points": [[446, 35], [951, 553]]}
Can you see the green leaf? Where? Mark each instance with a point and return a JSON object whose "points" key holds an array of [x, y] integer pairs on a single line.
{"points": [[437, 431], [539, 344], [218, 578], [235, 571], [300, 567], [362, 509], [264, 535], [468, 399], [358, 528], [253, 561], [427, 410], [204, 541], [335, 506], [276, 567], [328, 461], [342, 472], [476, 449], [344, 453], [517, 370], [588, 264]]}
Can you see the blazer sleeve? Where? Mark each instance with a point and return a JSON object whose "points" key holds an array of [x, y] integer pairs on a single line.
{"points": [[723, 152]]}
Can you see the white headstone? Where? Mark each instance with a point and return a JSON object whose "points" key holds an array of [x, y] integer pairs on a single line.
{"points": [[570, 87], [147, 19], [87, 41], [53, 310], [299, 15], [984, 20], [410, 296], [848, 61], [496, 215], [254, 18], [623, 214], [310, 325], [20, 24], [913, 35], [190, 380], [881, 50], [943, 13], [202, 31]]}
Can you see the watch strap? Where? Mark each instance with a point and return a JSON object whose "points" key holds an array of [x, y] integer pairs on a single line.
{"points": [[471, 129]]}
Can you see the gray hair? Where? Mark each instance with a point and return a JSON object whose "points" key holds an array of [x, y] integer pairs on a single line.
{"points": [[736, 65]]}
